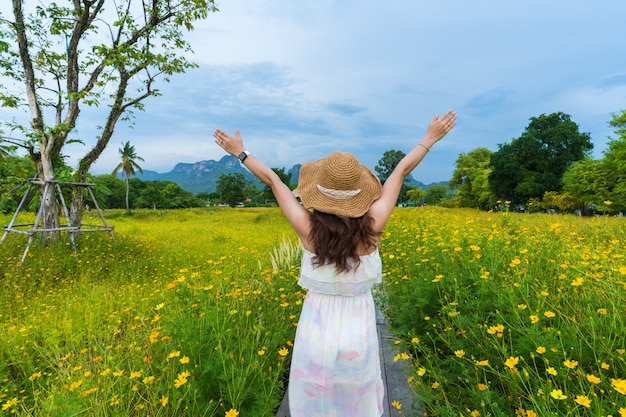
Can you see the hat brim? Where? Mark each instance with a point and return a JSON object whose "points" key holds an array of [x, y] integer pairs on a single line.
{"points": [[356, 206]]}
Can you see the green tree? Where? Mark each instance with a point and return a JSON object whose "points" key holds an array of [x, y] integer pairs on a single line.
{"points": [[470, 179], [128, 165], [534, 163], [110, 54], [232, 188], [388, 163], [14, 170], [267, 196], [615, 162], [415, 195], [114, 196], [564, 202], [435, 194], [588, 181], [602, 182]]}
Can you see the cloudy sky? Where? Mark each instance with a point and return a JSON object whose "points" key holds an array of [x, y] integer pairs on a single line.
{"points": [[302, 79]]}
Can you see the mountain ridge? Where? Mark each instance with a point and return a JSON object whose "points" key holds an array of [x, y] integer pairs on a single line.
{"points": [[202, 176]]}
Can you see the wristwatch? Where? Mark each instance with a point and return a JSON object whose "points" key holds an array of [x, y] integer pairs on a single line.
{"points": [[242, 156]]}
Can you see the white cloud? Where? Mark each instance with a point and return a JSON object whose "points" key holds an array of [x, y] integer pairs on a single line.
{"points": [[302, 79]]}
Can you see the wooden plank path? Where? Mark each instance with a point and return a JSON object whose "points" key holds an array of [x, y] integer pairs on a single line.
{"points": [[394, 375]]}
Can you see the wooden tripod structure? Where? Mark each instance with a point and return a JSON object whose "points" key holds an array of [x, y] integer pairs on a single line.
{"points": [[31, 229]]}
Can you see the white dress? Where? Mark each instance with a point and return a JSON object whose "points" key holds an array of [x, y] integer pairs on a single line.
{"points": [[335, 367]]}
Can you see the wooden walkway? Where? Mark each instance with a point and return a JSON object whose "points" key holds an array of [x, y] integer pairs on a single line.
{"points": [[394, 375]]}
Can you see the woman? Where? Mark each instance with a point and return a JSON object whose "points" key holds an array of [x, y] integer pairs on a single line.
{"points": [[335, 368]]}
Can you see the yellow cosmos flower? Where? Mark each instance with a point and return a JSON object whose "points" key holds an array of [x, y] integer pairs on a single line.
{"points": [[583, 400], [534, 319], [549, 314], [421, 371], [173, 354], [459, 353], [605, 366], [184, 360], [496, 329], [511, 362], [622, 412], [231, 413], [557, 394], [483, 363], [593, 379], [435, 385], [283, 352], [482, 387], [552, 371], [164, 400], [34, 376], [475, 413], [570, 364], [541, 350], [578, 282], [619, 385], [415, 340], [396, 404]]}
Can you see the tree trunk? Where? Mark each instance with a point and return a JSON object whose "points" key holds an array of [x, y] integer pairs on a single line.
{"points": [[48, 206]]}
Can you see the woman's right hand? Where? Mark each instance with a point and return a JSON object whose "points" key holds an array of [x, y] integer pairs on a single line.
{"points": [[439, 127]]}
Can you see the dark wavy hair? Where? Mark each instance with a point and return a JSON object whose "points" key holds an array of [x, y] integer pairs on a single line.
{"points": [[337, 239]]}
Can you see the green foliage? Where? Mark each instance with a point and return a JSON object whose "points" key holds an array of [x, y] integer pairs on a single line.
{"points": [[267, 196], [233, 188], [470, 180], [14, 170], [436, 194], [562, 202], [388, 163], [534, 163], [509, 314], [416, 195], [602, 183]]}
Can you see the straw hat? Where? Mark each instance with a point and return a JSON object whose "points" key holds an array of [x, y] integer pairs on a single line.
{"points": [[338, 185]]}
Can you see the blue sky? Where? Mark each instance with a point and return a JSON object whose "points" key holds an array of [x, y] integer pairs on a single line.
{"points": [[302, 79]]}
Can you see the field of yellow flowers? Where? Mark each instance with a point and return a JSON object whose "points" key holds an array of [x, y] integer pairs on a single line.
{"points": [[185, 313], [193, 312], [509, 314]]}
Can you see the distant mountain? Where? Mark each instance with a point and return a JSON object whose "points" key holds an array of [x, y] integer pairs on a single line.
{"points": [[203, 175]]}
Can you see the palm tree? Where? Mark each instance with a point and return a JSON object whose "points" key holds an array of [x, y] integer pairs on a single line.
{"points": [[128, 165]]}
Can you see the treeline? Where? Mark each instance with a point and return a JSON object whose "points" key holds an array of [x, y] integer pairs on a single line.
{"points": [[548, 168], [110, 190]]}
